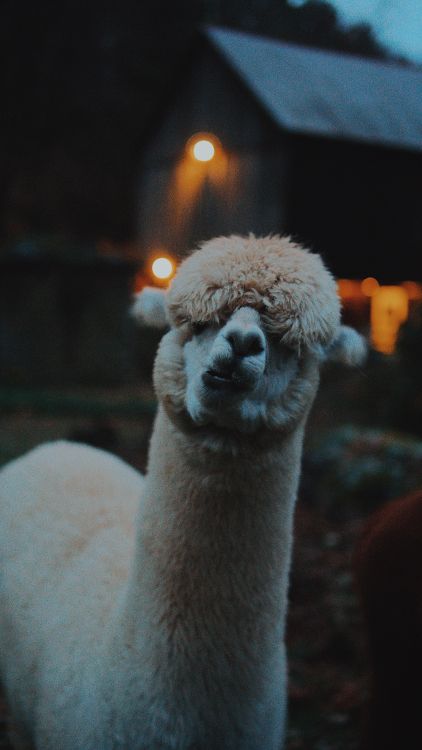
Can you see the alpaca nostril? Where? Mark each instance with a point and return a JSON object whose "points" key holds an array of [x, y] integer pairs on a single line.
{"points": [[245, 344]]}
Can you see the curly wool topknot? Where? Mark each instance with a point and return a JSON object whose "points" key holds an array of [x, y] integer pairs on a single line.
{"points": [[291, 288]]}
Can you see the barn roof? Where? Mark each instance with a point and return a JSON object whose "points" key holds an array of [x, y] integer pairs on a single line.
{"points": [[323, 93]]}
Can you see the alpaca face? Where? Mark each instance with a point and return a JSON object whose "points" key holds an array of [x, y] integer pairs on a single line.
{"points": [[236, 375], [234, 371], [251, 319]]}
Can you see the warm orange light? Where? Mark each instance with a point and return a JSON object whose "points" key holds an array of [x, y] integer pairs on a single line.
{"points": [[203, 147], [349, 289], [203, 150], [369, 286], [413, 289], [389, 309], [162, 268]]}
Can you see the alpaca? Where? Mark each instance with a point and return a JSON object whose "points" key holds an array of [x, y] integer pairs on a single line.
{"points": [[149, 613], [388, 566]]}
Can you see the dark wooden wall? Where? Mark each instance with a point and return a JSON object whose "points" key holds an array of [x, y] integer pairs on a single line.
{"points": [[359, 206], [177, 207], [356, 204], [66, 323]]}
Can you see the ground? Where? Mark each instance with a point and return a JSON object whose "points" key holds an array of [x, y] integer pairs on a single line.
{"points": [[327, 660]]}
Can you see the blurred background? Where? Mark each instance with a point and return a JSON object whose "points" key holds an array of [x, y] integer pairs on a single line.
{"points": [[130, 132]]}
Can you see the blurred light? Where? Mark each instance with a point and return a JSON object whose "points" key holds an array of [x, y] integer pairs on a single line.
{"points": [[413, 289], [349, 289], [204, 147], [369, 286], [162, 268], [389, 310], [140, 281], [203, 150]]}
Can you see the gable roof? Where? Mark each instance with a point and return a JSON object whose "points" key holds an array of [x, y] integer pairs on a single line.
{"points": [[316, 92]]}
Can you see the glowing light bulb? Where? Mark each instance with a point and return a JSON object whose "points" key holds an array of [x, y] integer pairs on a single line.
{"points": [[369, 286], [203, 150], [389, 310], [162, 268]]}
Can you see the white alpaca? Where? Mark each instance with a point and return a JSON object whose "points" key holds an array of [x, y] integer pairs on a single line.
{"points": [[149, 613]]}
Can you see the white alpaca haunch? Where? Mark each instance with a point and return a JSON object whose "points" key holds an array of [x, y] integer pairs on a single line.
{"points": [[149, 613]]}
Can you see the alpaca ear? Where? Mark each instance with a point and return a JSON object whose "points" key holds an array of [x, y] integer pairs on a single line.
{"points": [[150, 308], [349, 348]]}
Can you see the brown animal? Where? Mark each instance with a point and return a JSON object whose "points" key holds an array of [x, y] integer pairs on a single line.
{"points": [[388, 565]]}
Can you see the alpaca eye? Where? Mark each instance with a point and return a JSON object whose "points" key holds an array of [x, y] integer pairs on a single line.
{"points": [[198, 328]]}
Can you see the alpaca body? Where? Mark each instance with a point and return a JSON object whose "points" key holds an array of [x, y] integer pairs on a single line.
{"points": [[149, 614], [71, 548], [196, 624]]}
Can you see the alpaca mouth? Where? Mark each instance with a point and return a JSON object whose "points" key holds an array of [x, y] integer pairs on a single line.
{"points": [[220, 381]]}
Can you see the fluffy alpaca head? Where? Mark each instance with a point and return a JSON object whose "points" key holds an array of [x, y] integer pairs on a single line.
{"points": [[290, 287], [251, 318]]}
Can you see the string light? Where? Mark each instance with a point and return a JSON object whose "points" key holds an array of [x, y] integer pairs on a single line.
{"points": [[162, 268]]}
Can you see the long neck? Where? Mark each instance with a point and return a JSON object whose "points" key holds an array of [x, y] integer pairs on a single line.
{"points": [[208, 590], [214, 537]]}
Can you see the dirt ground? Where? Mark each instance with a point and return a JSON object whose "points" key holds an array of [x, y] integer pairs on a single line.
{"points": [[327, 659], [325, 641]]}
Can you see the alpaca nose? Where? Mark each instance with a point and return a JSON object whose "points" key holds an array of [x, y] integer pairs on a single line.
{"points": [[238, 355], [245, 343]]}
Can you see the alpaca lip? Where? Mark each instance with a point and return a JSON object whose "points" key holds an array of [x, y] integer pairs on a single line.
{"points": [[219, 381]]}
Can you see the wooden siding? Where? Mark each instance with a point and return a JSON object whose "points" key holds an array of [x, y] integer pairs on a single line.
{"points": [[69, 323], [355, 204], [181, 205]]}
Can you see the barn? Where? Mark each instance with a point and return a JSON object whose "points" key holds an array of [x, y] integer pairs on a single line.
{"points": [[324, 146]]}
